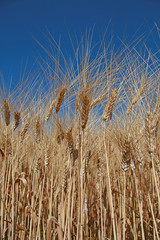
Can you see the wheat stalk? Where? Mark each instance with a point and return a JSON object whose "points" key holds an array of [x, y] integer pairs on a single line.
{"points": [[151, 128], [125, 147], [109, 181]]}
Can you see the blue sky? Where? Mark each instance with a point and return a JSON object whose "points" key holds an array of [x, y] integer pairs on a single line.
{"points": [[20, 20]]}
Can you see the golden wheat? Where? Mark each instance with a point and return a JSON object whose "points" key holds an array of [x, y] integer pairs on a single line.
{"points": [[136, 98], [109, 107], [7, 112], [49, 112], [59, 98], [16, 119], [78, 177]]}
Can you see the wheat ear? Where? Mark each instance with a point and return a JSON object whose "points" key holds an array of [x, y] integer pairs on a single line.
{"points": [[125, 147], [25, 130], [70, 141], [49, 112], [59, 98], [109, 107], [97, 100], [7, 112], [16, 119], [136, 98], [85, 110], [59, 132], [70, 147], [37, 129]]}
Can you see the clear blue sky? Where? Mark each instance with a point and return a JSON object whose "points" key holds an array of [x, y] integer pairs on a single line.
{"points": [[20, 20]]}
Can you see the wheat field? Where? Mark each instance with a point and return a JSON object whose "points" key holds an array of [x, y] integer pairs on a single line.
{"points": [[79, 155]]}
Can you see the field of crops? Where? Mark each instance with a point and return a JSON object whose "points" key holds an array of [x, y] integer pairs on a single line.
{"points": [[79, 150]]}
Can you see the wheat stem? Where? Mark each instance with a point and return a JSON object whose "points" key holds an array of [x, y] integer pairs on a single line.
{"points": [[154, 220], [81, 178], [109, 188], [124, 206]]}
